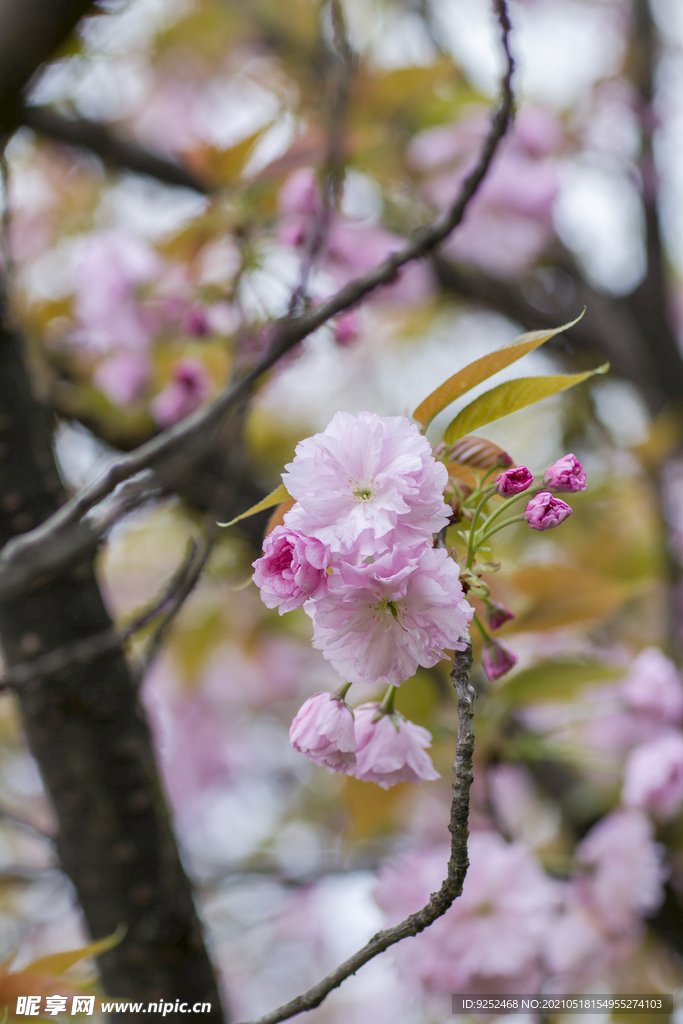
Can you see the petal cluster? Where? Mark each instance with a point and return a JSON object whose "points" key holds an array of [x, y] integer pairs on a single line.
{"points": [[365, 484]]}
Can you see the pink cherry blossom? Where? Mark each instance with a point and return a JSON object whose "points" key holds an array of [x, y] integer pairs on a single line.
{"points": [[514, 481], [379, 620], [292, 570], [566, 475], [391, 749], [493, 936], [653, 776], [625, 870], [323, 730], [365, 483], [653, 686], [498, 659], [188, 388], [544, 511]]}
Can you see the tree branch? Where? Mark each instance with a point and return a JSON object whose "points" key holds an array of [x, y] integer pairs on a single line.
{"points": [[52, 545], [109, 147], [439, 902], [82, 652]]}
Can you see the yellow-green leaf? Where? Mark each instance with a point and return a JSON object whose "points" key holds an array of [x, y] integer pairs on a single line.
{"points": [[480, 370], [554, 681], [511, 396], [274, 498], [56, 963]]}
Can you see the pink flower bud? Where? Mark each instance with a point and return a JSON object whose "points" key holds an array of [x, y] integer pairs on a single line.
{"points": [[323, 731], [498, 659], [514, 481], [544, 511], [567, 475], [292, 570], [391, 749], [497, 614]]}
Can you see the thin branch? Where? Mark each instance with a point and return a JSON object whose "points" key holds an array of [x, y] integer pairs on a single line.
{"points": [[109, 147], [332, 177], [439, 902], [194, 570], [82, 652], [52, 545]]}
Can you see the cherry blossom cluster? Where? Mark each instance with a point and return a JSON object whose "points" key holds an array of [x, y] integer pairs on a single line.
{"points": [[357, 552]]}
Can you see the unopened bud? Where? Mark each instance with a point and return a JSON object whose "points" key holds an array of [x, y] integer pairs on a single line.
{"points": [[567, 475], [545, 511], [514, 481], [497, 614], [498, 659]]}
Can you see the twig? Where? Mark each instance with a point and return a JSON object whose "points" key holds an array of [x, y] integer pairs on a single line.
{"points": [[439, 902], [343, 63], [113, 150], [183, 591], [50, 546], [81, 652]]}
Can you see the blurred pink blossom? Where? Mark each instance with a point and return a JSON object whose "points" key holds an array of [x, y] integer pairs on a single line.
{"points": [[492, 938], [188, 388], [323, 730], [346, 328], [653, 775], [391, 749], [378, 621], [653, 686], [544, 512], [292, 570], [509, 221], [123, 376], [625, 871], [113, 267], [366, 482], [497, 614], [567, 475]]}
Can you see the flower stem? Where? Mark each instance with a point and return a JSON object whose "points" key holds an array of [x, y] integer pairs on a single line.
{"points": [[340, 694], [478, 623], [387, 705], [471, 550], [501, 526]]}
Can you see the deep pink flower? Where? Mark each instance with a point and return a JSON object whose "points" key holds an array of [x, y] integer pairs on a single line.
{"points": [[292, 570], [323, 730], [366, 483], [625, 869], [346, 329], [653, 686], [391, 750], [545, 511], [514, 481], [497, 614], [189, 386], [196, 322], [567, 475], [653, 776], [493, 936], [498, 659], [379, 620]]}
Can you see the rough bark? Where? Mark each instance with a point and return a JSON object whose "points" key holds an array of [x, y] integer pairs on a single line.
{"points": [[90, 738]]}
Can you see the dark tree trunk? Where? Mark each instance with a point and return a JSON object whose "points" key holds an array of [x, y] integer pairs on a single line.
{"points": [[89, 735]]}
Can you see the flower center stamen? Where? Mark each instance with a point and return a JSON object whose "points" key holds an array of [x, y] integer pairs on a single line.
{"points": [[362, 491]]}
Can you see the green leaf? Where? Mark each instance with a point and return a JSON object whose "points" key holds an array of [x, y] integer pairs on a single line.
{"points": [[274, 498], [480, 370], [554, 681], [57, 963], [511, 396]]}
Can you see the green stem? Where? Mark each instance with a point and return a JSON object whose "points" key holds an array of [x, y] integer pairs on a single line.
{"points": [[501, 526], [471, 551], [484, 635], [387, 705], [342, 691]]}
